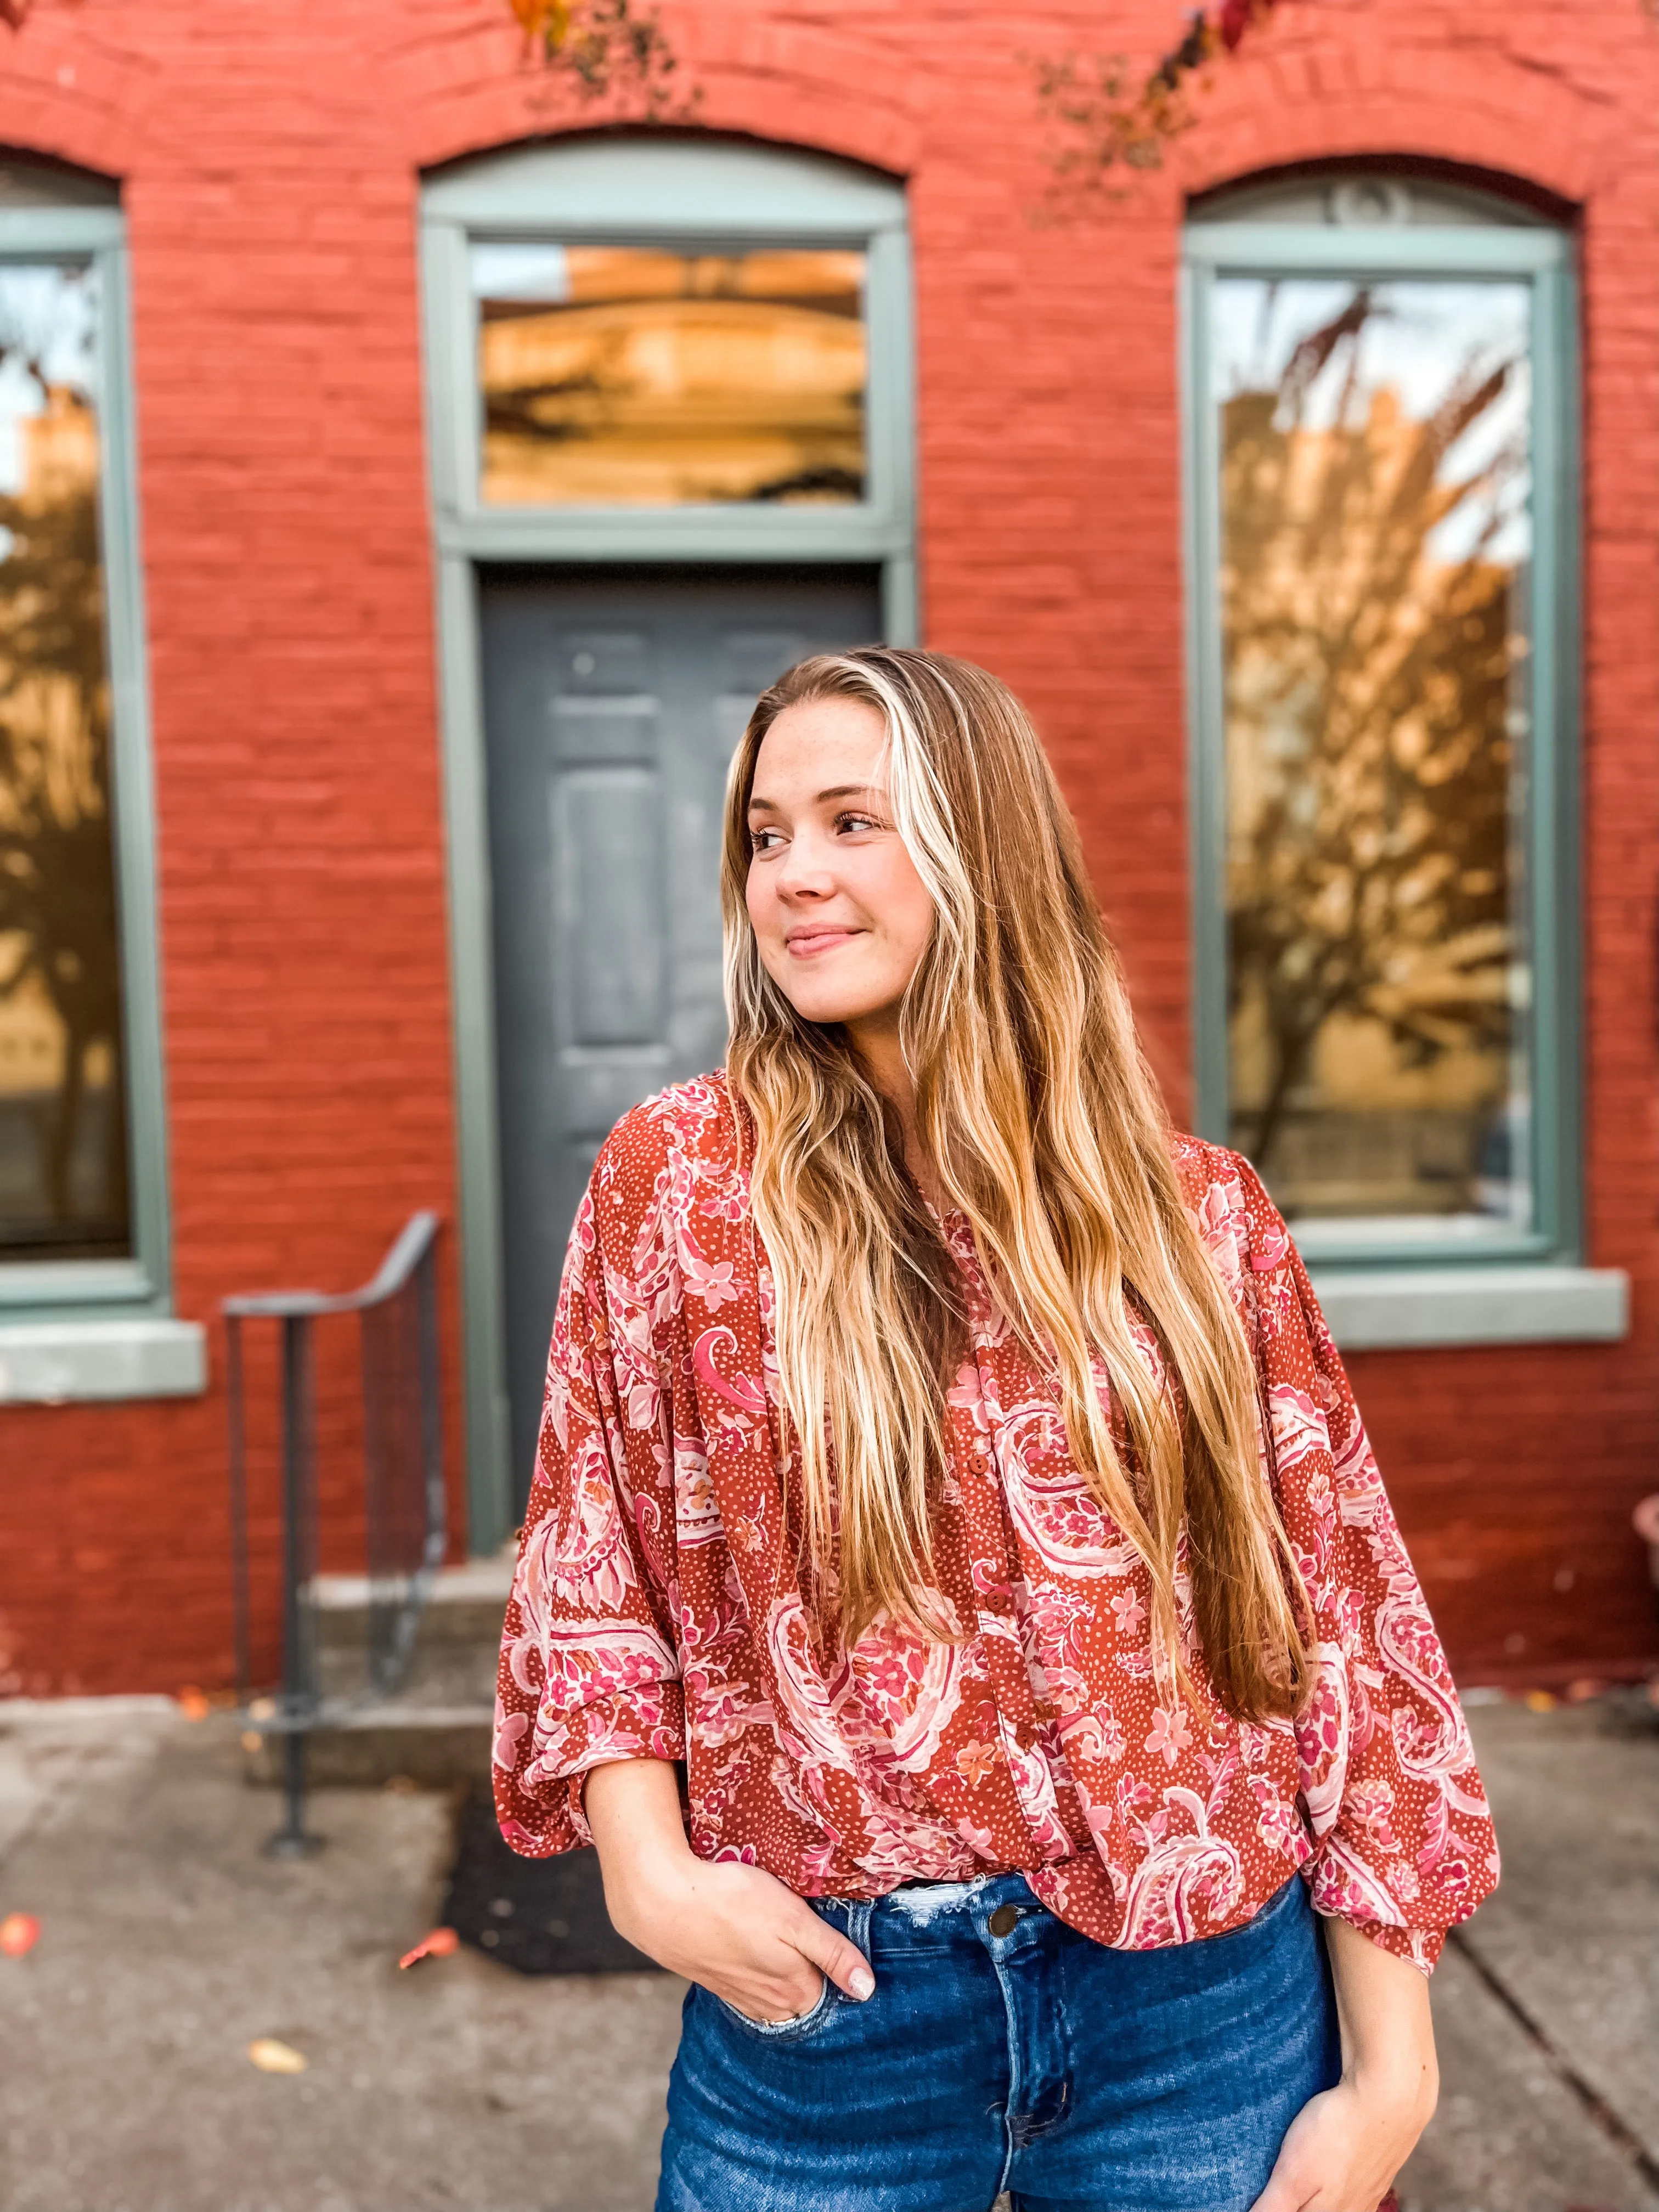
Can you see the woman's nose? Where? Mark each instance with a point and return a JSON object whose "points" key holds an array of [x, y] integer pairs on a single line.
{"points": [[803, 873]]}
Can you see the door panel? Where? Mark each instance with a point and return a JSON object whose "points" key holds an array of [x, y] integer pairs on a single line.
{"points": [[611, 709]]}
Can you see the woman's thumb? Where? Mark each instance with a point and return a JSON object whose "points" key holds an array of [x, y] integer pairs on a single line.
{"points": [[842, 1962]]}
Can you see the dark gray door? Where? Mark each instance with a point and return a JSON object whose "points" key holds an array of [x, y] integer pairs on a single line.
{"points": [[612, 708]]}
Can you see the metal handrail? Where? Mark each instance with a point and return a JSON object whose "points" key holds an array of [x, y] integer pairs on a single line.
{"points": [[398, 1314], [414, 1241]]}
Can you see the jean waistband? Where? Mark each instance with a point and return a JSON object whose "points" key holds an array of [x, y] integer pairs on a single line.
{"points": [[923, 1904], [936, 1909]]}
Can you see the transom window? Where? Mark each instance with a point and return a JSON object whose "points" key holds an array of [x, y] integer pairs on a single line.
{"points": [[1380, 394], [637, 375], [660, 346]]}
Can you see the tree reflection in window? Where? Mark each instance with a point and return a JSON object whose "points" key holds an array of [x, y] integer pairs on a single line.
{"points": [[64, 1179], [622, 375], [1375, 541]]}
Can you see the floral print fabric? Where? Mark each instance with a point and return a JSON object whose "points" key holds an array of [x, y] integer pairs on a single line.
{"points": [[657, 1610]]}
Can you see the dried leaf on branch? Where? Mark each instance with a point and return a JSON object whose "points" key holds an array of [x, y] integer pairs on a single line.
{"points": [[1106, 117], [606, 50]]}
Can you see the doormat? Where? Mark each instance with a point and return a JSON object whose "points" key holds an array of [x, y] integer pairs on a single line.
{"points": [[536, 1915]]}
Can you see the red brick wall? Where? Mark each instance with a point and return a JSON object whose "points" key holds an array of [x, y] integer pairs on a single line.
{"points": [[270, 159]]}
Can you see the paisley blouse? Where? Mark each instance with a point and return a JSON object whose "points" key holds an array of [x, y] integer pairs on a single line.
{"points": [[657, 1610]]}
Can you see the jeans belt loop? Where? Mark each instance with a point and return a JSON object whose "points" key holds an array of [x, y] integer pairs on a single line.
{"points": [[859, 1910]]}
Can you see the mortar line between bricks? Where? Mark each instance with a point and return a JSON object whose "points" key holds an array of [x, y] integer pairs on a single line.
{"points": [[1622, 2137]]}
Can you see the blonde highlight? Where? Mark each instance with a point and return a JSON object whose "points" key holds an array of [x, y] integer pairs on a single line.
{"points": [[1040, 1119]]}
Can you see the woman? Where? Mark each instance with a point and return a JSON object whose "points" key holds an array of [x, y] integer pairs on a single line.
{"points": [[957, 1597]]}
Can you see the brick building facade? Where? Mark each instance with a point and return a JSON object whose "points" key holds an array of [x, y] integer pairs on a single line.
{"points": [[269, 169]]}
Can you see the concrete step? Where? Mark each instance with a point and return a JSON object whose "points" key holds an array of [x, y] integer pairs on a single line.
{"points": [[465, 1606], [437, 1674], [436, 1730], [456, 1643], [438, 1746]]}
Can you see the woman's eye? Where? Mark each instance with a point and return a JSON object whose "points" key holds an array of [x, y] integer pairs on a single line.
{"points": [[762, 841], [857, 822]]}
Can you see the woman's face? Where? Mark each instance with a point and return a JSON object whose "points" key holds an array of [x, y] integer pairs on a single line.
{"points": [[841, 915]]}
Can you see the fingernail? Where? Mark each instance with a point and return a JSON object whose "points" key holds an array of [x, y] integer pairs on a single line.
{"points": [[863, 1983]]}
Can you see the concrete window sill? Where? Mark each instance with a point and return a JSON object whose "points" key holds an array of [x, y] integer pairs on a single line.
{"points": [[55, 1362], [1429, 1306]]}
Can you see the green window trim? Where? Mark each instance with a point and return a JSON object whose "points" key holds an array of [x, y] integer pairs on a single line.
{"points": [[104, 1291], [634, 190], [1541, 256], [680, 192]]}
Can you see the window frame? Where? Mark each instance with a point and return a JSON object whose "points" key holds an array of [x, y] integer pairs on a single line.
{"points": [[1540, 256], [140, 1285], [678, 193]]}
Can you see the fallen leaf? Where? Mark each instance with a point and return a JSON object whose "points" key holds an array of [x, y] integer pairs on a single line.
{"points": [[1539, 1701], [19, 1932], [271, 2057], [193, 1703], [438, 1945], [252, 1741]]}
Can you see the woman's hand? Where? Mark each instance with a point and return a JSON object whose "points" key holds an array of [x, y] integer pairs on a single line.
{"points": [[739, 1932], [1343, 2151], [1345, 2146], [733, 1928]]}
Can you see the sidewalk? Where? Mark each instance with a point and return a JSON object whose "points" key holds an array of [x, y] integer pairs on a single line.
{"points": [[1547, 2005], [169, 1944]]}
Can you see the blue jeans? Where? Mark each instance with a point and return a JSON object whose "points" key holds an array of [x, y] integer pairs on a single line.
{"points": [[1029, 2058]]}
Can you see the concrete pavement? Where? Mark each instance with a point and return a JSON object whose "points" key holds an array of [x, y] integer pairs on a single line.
{"points": [[169, 1944], [1546, 2004]]}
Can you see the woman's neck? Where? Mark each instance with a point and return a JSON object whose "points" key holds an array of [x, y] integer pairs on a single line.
{"points": [[876, 1041]]}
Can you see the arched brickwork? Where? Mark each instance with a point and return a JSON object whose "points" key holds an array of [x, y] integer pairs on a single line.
{"points": [[72, 84]]}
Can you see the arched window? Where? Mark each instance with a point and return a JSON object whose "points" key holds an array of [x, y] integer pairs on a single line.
{"points": [[83, 1219], [1382, 504]]}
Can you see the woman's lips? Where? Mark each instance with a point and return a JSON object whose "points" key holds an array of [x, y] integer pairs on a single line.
{"points": [[807, 944]]}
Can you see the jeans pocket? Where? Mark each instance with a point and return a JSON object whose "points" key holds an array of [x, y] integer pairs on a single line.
{"points": [[784, 2031], [1288, 1901]]}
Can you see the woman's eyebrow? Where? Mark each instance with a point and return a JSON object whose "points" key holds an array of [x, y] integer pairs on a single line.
{"points": [[759, 805]]}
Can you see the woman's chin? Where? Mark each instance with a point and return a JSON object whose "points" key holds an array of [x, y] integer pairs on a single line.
{"points": [[826, 1009], [831, 1009]]}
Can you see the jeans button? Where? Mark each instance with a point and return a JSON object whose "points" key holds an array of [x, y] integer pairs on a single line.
{"points": [[1005, 1920]]}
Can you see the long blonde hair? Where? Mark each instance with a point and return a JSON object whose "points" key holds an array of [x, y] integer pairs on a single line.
{"points": [[1042, 1124]]}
